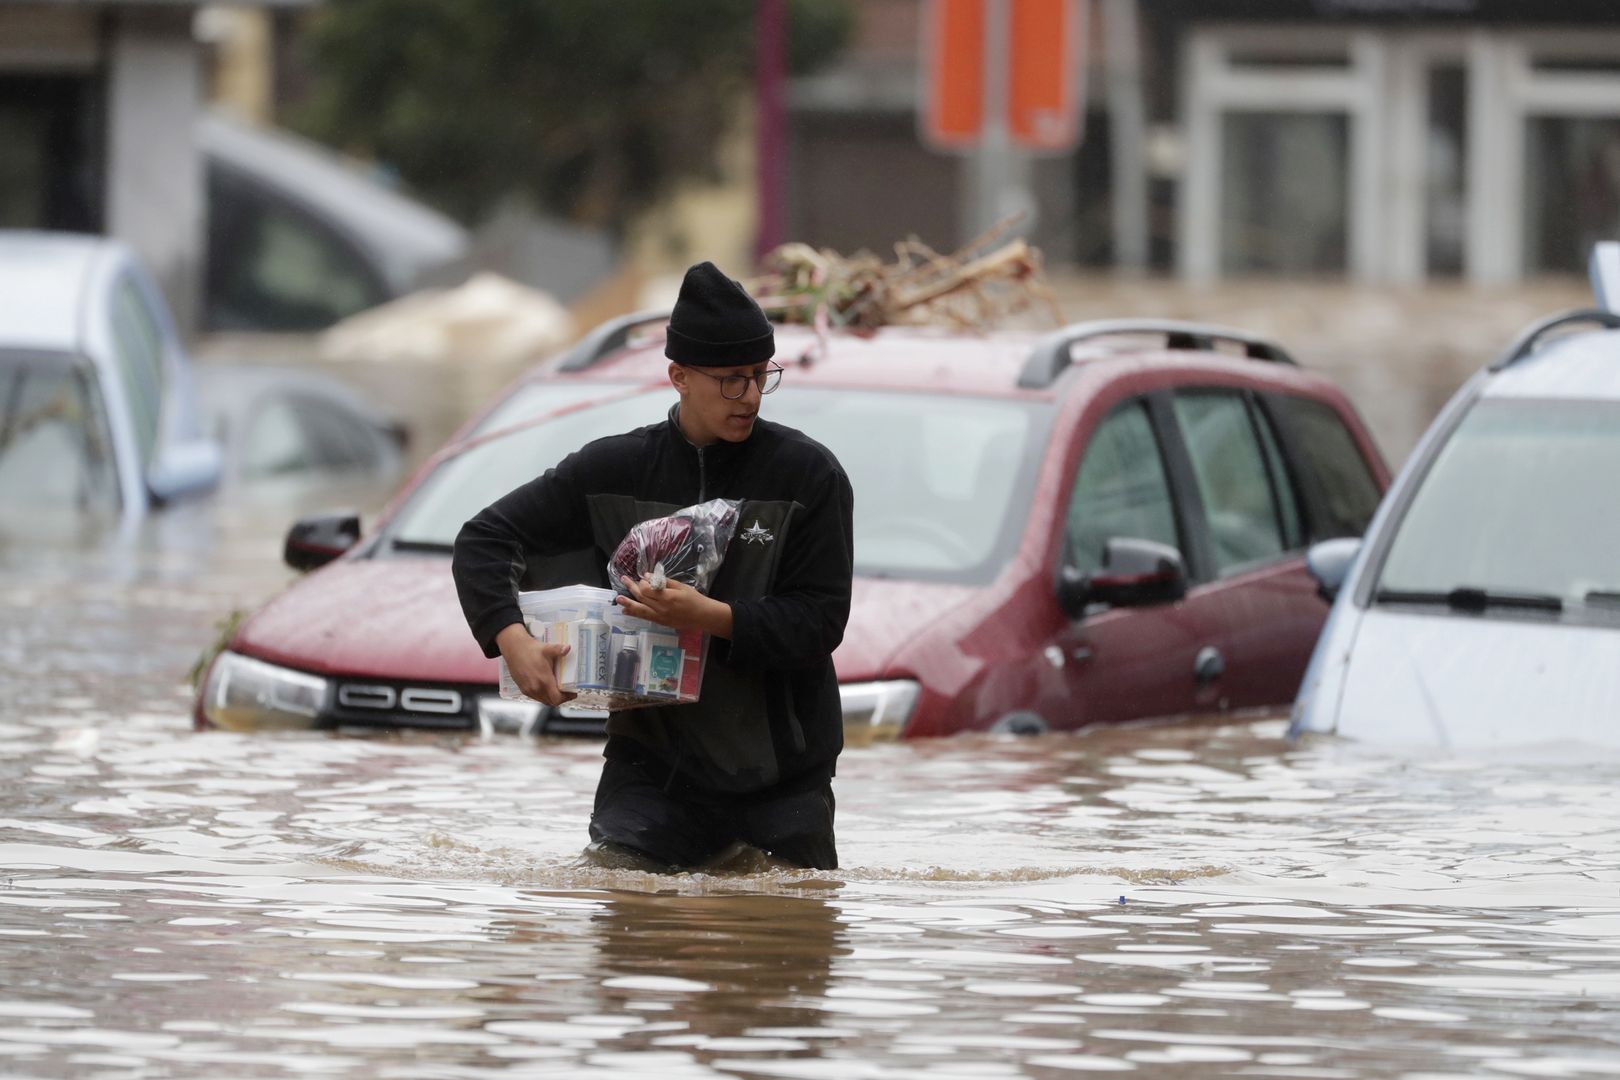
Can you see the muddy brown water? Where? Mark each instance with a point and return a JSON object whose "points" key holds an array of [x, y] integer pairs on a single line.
{"points": [[1193, 900]]}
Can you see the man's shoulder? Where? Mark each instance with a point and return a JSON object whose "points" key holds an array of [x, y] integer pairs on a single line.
{"points": [[614, 447], [793, 446], [611, 461]]}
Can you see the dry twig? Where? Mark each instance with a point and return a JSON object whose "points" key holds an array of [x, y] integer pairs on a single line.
{"points": [[971, 289]]}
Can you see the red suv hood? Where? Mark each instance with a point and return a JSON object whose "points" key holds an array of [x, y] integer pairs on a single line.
{"points": [[886, 615], [398, 618], [393, 618]]}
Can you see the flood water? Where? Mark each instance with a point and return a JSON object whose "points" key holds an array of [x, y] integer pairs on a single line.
{"points": [[1191, 901], [1194, 901]]}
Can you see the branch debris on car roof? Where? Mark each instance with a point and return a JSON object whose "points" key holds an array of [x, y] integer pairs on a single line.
{"points": [[971, 289]]}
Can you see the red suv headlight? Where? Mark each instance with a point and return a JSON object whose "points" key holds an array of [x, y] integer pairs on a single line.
{"points": [[878, 708]]}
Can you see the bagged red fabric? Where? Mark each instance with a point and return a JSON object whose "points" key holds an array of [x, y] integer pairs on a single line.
{"points": [[687, 546]]}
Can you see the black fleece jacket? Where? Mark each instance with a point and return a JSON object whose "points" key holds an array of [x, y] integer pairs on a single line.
{"points": [[770, 714]]}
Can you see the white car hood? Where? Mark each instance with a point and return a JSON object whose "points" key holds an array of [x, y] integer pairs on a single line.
{"points": [[1455, 680]]}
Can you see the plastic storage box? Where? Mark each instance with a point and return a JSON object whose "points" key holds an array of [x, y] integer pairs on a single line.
{"points": [[614, 661]]}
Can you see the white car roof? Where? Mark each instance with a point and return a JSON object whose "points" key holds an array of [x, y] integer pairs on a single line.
{"points": [[45, 278], [1578, 366]]}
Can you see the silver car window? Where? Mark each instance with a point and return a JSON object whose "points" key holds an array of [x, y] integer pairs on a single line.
{"points": [[139, 347], [1517, 501], [54, 449], [274, 443], [274, 265]]}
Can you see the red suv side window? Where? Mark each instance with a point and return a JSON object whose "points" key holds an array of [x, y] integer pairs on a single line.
{"points": [[1342, 486], [1121, 490], [1250, 509]]}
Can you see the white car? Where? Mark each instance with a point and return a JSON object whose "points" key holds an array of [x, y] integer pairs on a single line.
{"points": [[1483, 605], [284, 428], [298, 238], [98, 411]]}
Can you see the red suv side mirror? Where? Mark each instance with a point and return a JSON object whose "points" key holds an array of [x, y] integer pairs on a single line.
{"points": [[1135, 573], [317, 540]]}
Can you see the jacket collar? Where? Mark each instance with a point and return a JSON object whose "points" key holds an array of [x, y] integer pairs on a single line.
{"points": [[719, 450]]}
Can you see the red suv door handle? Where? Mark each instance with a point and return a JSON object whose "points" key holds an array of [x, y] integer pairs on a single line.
{"points": [[1209, 665]]}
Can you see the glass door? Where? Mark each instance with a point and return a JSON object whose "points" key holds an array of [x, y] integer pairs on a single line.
{"points": [[1572, 190], [1285, 201]]}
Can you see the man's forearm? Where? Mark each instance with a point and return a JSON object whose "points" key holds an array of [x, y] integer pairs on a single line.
{"points": [[509, 634], [715, 619]]}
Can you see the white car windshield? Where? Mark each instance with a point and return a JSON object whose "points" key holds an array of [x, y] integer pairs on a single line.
{"points": [[54, 449], [1517, 503], [936, 477]]}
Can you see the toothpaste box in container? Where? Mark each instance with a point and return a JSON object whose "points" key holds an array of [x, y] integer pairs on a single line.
{"points": [[614, 661]]}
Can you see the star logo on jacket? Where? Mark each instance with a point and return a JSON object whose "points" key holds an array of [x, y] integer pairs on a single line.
{"points": [[757, 534]]}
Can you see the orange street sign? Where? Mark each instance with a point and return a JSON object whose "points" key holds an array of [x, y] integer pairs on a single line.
{"points": [[953, 55], [1045, 73]]}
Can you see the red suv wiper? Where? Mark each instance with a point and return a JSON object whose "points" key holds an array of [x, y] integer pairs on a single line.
{"points": [[1468, 598], [435, 546]]}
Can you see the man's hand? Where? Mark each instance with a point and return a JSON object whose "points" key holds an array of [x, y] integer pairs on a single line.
{"points": [[533, 664], [677, 606]]}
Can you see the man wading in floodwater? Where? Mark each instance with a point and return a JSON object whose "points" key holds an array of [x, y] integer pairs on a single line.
{"points": [[753, 759]]}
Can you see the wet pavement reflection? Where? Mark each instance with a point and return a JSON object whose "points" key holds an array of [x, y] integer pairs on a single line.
{"points": [[1192, 901]]}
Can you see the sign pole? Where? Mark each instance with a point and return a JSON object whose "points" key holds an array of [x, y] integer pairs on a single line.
{"points": [[1127, 128], [771, 76], [998, 184]]}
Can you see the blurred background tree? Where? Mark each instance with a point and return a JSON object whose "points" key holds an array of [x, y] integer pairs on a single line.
{"points": [[593, 111]]}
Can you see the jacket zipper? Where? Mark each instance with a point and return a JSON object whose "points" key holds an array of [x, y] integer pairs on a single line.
{"points": [[675, 420]]}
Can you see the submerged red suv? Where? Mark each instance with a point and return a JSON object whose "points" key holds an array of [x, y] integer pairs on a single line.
{"points": [[1104, 523]]}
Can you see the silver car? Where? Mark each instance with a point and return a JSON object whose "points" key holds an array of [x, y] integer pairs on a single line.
{"points": [[98, 411], [1483, 605]]}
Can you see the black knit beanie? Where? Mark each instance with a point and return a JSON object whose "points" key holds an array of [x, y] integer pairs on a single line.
{"points": [[716, 323]]}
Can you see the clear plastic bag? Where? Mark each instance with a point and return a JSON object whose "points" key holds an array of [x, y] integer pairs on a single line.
{"points": [[687, 546]]}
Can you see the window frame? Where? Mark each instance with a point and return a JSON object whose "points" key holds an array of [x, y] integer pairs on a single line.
{"points": [[227, 182], [1397, 502], [343, 440], [95, 404], [1187, 526], [1312, 498], [1281, 476], [131, 316], [1041, 419], [1398, 499], [86, 381], [1208, 564]]}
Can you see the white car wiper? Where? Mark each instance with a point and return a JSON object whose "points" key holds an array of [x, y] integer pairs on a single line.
{"points": [[1469, 598]]}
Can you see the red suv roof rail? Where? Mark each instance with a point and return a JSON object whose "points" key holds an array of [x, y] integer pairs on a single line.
{"points": [[608, 337], [1050, 356]]}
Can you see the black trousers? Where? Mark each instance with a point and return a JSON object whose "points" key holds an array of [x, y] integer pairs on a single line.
{"points": [[638, 808]]}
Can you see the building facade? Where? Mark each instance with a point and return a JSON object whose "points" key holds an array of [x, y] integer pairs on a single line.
{"points": [[1381, 140]]}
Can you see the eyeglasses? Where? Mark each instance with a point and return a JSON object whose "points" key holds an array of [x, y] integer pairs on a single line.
{"points": [[733, 387]]}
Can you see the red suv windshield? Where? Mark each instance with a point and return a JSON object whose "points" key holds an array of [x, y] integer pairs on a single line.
{"points": [[941, 481]]}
